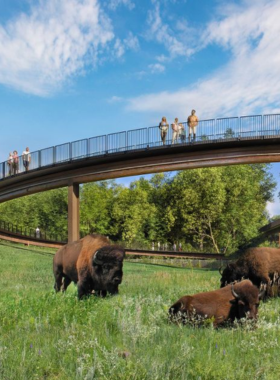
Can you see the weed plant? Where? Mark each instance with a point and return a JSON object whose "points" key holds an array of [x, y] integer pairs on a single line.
{"points": [[44, 335]]}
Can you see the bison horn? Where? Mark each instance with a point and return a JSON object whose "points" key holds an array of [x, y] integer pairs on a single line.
{"points": [[95, 259], [262, 292], [233, 292]]}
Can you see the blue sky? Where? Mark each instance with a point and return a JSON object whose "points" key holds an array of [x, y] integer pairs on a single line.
{"points": [[71, 69]]}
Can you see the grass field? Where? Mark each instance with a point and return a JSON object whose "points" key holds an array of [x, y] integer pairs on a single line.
{"points": [[44, 335]]}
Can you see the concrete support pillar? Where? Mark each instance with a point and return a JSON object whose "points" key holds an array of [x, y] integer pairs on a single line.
{"points": [[73, 212]]}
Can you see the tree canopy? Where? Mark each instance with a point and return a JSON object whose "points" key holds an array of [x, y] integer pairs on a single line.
{"points": [[213, 209]]}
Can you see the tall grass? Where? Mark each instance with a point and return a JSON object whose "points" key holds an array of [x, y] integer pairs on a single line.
{"points": [[44, 335]]}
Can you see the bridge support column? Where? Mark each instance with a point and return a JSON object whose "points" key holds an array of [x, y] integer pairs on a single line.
{"points": [[73, 212]]}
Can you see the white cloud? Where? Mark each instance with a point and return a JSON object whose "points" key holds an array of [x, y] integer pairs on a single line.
{"points": [[273, 208], [56, 40], [249, 83], [114, 4], [119, 48], [176, 38], [115, 99], [129, 43], [157, 68]]}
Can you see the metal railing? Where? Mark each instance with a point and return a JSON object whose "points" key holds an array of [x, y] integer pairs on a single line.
{"points": [[30, 232], [208, 131]]}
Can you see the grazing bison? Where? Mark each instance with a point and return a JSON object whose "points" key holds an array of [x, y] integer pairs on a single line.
{"points": [[235, 301], [257, 264], [92, 263]]}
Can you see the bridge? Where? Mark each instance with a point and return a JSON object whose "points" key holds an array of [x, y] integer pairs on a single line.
{"points": [[225, 141]]}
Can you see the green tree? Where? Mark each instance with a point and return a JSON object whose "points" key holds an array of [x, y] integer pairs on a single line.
{"points": [[229, 133], [220, 208], [133, 214], [96, 202]]}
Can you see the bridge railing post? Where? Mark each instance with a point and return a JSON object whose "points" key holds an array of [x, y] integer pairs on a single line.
{"points": [[54, 154], [39, 159], [70, 151], [88, 147]]}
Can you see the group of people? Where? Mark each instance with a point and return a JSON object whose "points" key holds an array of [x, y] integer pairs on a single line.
{"points": [[178, 130], [164, 247], [13, 161]]}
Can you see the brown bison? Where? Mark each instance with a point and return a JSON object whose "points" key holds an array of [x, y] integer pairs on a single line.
{"points": [[257, 264], [92, 263], [235, 301]]}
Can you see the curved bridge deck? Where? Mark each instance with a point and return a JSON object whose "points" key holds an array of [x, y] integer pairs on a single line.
{"points": [[244, 140]]}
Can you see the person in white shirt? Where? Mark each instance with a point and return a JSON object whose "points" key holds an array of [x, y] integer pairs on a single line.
{"points": [[38, 234], [175, 129], [163, 126], [26, 156]]}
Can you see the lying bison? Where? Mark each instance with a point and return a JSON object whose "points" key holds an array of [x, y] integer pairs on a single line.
{"points": [[257, 264], [235, 301], [90, 262]]}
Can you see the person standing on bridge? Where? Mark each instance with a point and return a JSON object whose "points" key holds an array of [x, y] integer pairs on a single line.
{"points": [[15, 162], [175, 129], [182, 133], [192, 123], [163, 126], [10, 163], [26, 156]]}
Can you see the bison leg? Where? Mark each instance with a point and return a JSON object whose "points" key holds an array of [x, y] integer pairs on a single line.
{"points": [[66, 283], [83, 291], [58, 282]]}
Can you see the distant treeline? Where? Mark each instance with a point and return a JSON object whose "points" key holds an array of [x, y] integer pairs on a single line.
{"points": [[213, 209]]}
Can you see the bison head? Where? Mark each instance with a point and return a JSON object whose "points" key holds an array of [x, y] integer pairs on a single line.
{"points": [[107, 265], [231, 273], [247, 299]]}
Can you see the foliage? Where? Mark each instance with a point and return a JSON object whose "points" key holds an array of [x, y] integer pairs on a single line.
{"points": [[133, 213], [47, 210], [96, 207], [229, 133], [213, 209], [54, 336]]}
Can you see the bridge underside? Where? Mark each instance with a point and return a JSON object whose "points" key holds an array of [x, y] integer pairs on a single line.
{"points": [[139, 162]]}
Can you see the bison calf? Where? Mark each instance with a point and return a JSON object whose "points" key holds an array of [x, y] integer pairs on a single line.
{"points": [[232, 302], [92, 263]]}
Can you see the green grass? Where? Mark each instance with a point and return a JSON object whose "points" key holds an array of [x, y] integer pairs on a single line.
{"points": [[44, 335]]}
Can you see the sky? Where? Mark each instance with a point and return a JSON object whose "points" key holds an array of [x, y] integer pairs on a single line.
{"points": [[73, 69]]}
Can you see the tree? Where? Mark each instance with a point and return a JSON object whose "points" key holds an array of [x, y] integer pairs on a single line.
{"points": [[220, 207], [133, 214], [229, 133], [96, 202], [210, 209]]}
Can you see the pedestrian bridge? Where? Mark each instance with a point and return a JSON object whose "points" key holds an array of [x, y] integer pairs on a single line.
{"points": [[226, 141]]}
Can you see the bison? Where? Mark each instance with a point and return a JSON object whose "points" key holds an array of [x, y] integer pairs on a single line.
{"points": [[92, 263], [257, 264], [232, 302]]}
